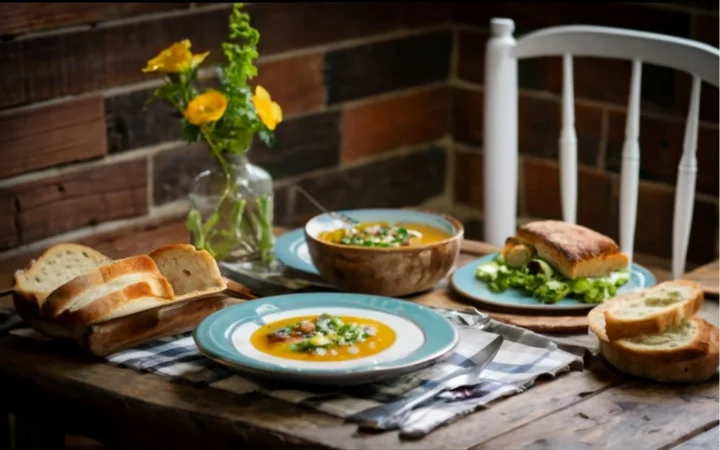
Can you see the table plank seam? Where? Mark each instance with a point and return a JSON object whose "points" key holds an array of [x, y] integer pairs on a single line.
{"points": [[549, 413], [696, 432]]}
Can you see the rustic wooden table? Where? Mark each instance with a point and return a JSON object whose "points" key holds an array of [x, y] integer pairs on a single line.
{"points": [[52, 389]]}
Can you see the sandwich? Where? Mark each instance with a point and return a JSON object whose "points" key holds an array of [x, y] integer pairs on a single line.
{"points": [[553, 260]]}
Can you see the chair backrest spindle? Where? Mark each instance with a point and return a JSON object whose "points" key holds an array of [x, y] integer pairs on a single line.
{"points": [[501, 96], [568, 145], [630, 167], [685, 185]]}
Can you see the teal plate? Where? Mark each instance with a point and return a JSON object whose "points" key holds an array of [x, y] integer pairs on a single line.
{"points": [[422, 337], [463, 282], [291, 250]]}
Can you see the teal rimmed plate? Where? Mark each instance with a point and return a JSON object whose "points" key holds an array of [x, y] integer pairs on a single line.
{"points": [[422, 337], [291, 250], [463, 282]]}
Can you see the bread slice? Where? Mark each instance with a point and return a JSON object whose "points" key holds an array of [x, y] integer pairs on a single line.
{"points": [[150, 293], [685, 353], [573, 250], [191, 272], [55, 267], [646, 364], [85, 289], [652, 310], [686, 340]]}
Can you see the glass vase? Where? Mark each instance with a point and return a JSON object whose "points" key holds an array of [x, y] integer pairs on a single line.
{"points": [[231, 210]]}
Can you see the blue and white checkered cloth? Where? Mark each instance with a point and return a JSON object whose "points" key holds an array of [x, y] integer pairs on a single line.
{"points": [[524, 357]]}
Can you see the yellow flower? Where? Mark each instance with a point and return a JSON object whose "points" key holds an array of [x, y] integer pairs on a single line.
{"points": [[207, 107], [175, 58], [269, 111]]}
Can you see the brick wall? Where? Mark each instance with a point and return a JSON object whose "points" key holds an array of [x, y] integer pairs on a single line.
{"points": [[383, 106]]}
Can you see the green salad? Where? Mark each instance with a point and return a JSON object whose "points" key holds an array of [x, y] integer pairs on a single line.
{"points": [[545, 284]]}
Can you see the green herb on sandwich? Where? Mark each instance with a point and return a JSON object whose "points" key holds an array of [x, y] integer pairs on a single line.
{"points": [[546, 285]]}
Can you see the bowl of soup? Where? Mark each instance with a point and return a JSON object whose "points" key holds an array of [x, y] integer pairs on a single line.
{"points": [[390, 252]]}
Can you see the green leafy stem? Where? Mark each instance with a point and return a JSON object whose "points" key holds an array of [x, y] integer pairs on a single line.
{"points": [[245, 229]]}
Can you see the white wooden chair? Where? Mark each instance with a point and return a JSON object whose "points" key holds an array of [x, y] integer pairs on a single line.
{"points": [[501, 120]]}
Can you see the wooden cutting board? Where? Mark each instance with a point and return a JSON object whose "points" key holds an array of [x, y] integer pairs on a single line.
{"points": [[126, 332], [707, 277]]}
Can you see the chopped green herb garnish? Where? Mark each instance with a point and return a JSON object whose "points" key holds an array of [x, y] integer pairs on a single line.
{"points": [[323, 334]]}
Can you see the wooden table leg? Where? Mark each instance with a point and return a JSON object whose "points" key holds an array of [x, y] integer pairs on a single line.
{"points": [[4, 429], [37, 427]]}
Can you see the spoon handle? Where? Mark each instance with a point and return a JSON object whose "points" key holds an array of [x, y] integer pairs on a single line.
{"points": [[317, 204]]}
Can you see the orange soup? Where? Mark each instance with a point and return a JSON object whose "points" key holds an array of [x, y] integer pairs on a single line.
{"points": [[323, 338], [384, 235]]}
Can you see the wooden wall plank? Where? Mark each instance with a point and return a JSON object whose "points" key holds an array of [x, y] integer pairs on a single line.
{"points": [[18, 18], [52, 135]]}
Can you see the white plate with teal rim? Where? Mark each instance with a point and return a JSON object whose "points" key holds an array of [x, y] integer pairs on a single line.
{"points": [[463, 282], [421, 337], [291, 250]]}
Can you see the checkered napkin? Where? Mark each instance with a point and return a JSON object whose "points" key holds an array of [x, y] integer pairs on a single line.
{"points": [[524, 356]]}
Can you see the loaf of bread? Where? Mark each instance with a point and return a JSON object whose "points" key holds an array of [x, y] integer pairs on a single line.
{"points": [[652, 310], [89, 287], [58, 265], [684, 351], [573, 250], [191, 272], [111, 289]]}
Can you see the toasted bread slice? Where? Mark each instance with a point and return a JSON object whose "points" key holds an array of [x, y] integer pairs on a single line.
{"points": [[686, 340], [55, 267], [191, 272], [85, 289], [646, 364], [652, 310], [573, 250], [684, 354]]}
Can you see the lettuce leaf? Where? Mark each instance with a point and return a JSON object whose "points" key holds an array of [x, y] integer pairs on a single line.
{"points": [[547, 286]]}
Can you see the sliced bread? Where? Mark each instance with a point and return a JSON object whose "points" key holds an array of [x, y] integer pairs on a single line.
{"points": [[685, 353], [686, 340], [644, 364], [191, 272], [58, 265], [652, 310], [85, 289], [150, 293]]}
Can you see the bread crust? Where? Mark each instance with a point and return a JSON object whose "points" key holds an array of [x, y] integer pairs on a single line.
{"points": [[575, 251], [648, 366], [700, 345], [619, 327], [156, 288], [39, 297], [60, 298], [212, 279]]}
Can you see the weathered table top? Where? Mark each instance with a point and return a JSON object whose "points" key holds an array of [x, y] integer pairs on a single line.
{"points": [[57, 388]]}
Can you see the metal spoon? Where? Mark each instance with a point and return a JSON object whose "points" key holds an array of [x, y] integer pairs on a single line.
{"points": [[337, 215]]}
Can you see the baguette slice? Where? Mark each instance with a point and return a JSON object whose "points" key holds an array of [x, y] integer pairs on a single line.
{"points": [[652, 310], [647, 365], [85, 289], [685, 354], [191, 272], [150, 293], [55, 267], [573, 250]]}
